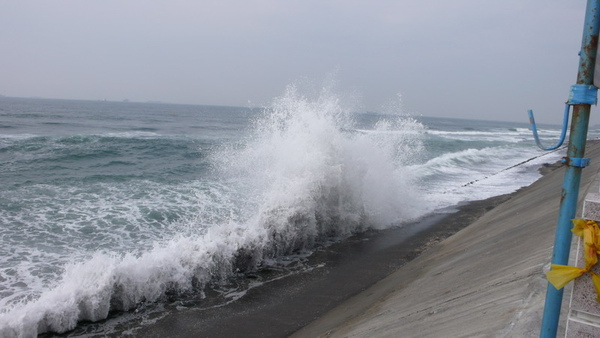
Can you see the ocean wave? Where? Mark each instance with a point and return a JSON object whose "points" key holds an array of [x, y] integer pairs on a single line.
{"points": [[512, 135], [114, 221], [481, 173], [297, 180], [100, 157]]}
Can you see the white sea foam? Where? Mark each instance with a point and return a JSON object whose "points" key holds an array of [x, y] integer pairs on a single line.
{"points": [[301, 158], [303, 174], [17, 136], [301, 177], [498, 135], [481, 173]]}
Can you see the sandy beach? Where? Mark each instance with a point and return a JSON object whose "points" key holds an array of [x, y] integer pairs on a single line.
{"points": [[476, 272]]}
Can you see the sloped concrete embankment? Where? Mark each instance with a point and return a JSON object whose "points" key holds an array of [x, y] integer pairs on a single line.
{"points": [[486, 280]]}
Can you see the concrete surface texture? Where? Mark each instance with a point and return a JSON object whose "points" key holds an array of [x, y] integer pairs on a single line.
{"points": [[486, 280]]}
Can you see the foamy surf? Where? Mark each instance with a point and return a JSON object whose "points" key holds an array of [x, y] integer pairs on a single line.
{"points": [[110, 217], [301, 177]]}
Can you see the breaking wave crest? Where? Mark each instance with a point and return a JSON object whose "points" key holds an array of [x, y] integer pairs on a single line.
{"points": [[303, 176]]}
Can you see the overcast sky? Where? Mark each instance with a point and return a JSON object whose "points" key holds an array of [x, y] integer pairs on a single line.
{"points": [[455, 58]]}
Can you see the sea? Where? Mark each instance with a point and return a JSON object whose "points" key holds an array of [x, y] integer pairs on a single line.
{"points": [[112, 210]]}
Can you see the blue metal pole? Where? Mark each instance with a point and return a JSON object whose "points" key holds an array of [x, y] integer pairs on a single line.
{"points": [[574, 166]]}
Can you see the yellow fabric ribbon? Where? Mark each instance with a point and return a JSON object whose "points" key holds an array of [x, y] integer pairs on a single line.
{"points": [[561, 275]]}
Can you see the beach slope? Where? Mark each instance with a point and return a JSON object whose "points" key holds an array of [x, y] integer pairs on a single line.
{"points": [[486, 280]]}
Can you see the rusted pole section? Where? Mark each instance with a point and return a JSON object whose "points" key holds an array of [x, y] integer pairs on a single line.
{"points": [[581, 99]]}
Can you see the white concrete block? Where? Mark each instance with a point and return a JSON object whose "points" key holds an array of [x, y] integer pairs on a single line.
{"points": [[584, 310]]}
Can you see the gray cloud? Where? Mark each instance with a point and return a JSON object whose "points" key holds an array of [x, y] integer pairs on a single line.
{"points": [[463, 58]]}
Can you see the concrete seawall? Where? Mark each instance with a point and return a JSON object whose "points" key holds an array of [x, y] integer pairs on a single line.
{"points": [[486, 280]]}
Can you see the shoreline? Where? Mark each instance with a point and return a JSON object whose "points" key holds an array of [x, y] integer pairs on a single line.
{"points": [[282, 306], [287, 304]]}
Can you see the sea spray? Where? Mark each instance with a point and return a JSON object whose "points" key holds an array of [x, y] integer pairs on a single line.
{"points": [[304, 175], [306, 168]]}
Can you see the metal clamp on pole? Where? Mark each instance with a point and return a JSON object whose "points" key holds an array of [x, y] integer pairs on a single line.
{"points": [[583, 94], [577, 162], [579, 94]]}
